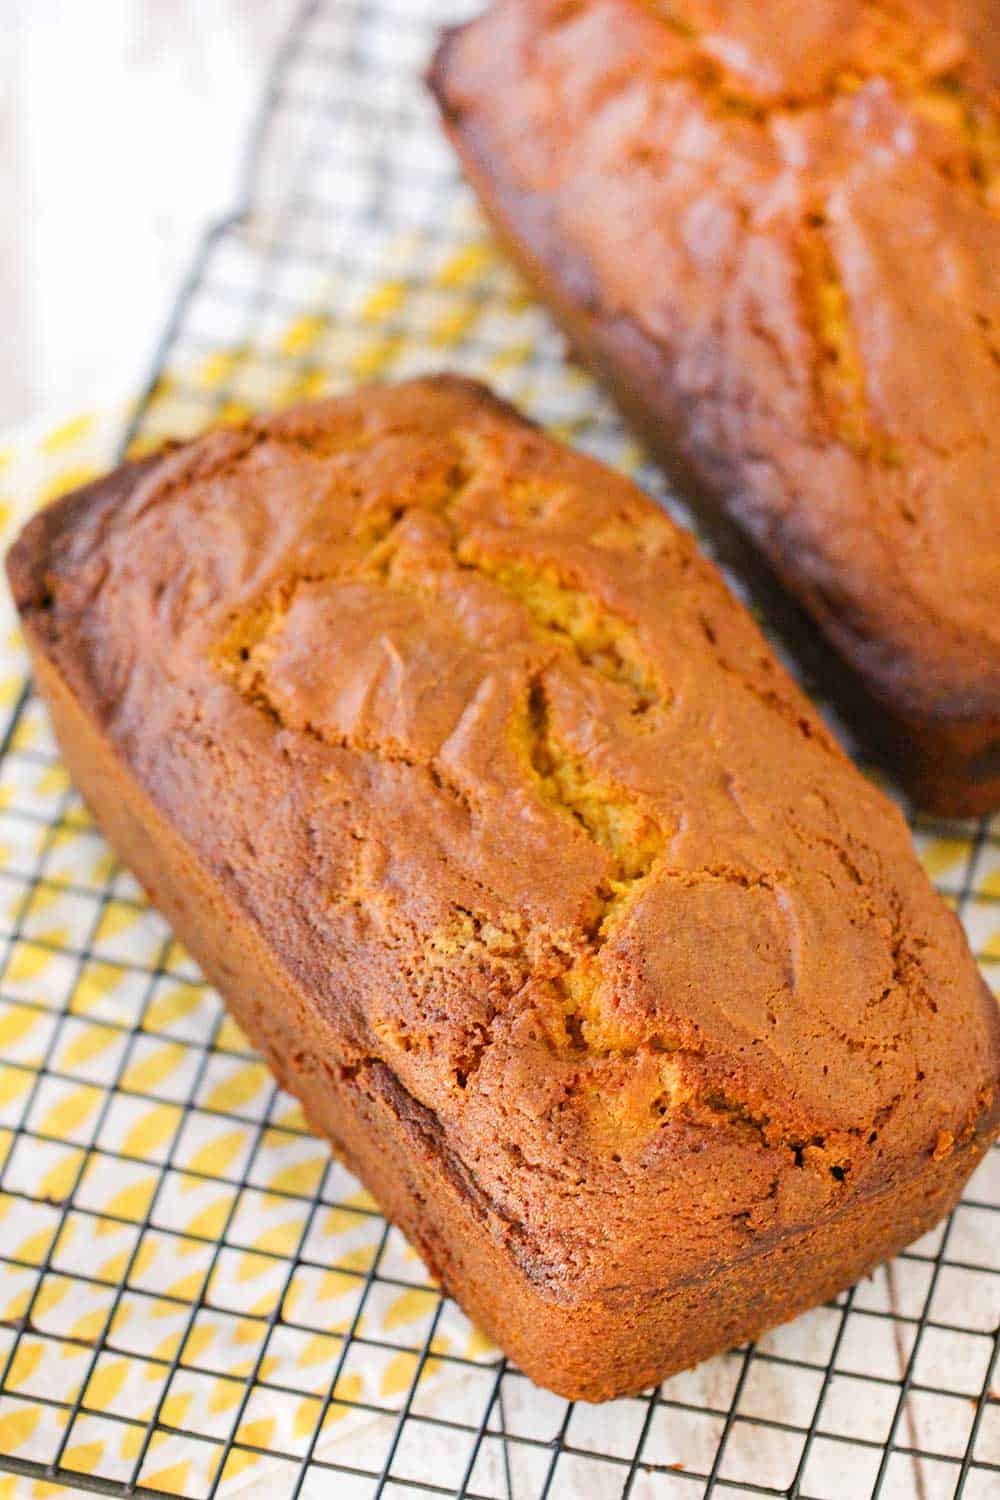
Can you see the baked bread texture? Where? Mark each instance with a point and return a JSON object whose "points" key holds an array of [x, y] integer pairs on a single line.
{"points": [[526, 865], [774, 228]]}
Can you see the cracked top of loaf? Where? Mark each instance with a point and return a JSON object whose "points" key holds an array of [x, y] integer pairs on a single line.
{"points": [[800, 205], [529, 812]]}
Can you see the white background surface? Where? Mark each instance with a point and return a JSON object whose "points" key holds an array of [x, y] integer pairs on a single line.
{"points": [[121, 129]]}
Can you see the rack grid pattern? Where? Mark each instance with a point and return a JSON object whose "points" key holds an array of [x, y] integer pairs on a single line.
{"points": [[194, 1299]]}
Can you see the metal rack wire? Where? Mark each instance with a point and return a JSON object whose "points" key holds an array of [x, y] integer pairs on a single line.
{"points": [[355, 253]]}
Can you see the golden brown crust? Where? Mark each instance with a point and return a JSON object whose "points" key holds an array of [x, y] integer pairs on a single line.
{"points": [[775, 229], [484, 802]]}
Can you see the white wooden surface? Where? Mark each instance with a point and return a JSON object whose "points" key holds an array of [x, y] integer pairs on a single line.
{"points": [[121, 127]]}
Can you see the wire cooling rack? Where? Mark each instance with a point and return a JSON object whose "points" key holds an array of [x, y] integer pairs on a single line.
{"points": [[195, 1300]]}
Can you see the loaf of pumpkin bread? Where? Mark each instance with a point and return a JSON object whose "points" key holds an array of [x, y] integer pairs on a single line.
{"points": [[775, 229], [523, 861]]}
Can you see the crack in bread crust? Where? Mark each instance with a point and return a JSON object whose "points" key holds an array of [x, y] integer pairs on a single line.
{"points": [[630, 834], [841, 382], [573, 617]]}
